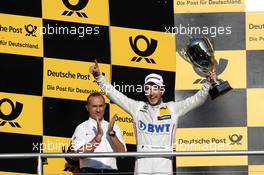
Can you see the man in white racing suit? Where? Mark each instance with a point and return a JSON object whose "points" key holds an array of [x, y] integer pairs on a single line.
{"points": [[155, 122]]}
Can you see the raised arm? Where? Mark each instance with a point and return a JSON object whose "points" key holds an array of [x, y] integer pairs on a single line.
{"points": [[127, 104], [197, 99], [194, 101]]}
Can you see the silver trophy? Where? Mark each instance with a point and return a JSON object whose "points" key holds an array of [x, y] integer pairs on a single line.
{"points": [[200, 54]]}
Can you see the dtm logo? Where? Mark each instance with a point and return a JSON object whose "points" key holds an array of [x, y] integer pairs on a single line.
{"points": [[220, 68], [15, 112], [153, 128], [77, 7], [151, 47]]}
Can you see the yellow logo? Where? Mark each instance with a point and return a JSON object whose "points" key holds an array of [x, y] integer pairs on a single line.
{"points": [[75, 8], [143, 49], [81, 11], [164, 111], [143, 54], [15, 112], [18, 112]]}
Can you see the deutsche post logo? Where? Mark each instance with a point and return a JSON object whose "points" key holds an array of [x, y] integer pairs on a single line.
{"points": [[31, 30], [220, 68], [15, 112], [235, 139], [75, 8], [143, 54]]}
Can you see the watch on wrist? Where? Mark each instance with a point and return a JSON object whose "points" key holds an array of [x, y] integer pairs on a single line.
{"points": [[112, 133]]}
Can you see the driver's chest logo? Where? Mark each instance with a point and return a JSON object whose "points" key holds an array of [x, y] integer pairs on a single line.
{"points": [[164, 113]]}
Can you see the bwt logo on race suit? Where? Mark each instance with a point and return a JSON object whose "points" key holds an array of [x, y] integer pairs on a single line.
{"points": [[15, 112], [153, 128], [75, 8]]}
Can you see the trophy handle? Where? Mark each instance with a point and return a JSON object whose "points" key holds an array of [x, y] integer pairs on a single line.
{"points": [[183, 54], [210, 46]]}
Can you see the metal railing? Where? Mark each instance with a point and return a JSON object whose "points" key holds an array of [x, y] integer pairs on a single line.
{"points": [[39, 156]]}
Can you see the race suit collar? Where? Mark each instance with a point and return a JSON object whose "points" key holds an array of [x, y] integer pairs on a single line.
{"points": [[157, 105], [93, 120]]}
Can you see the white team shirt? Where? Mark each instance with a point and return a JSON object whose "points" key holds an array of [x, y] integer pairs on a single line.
{"points": [[85, 132], [155, 126]]}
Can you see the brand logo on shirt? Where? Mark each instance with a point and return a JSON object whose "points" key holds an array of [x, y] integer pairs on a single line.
{"points": [[94, 130], [153, 128], [164, 117], [144, 108]]}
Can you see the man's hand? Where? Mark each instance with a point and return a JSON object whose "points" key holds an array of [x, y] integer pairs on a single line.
{"points": [[112, 123], [94, 69], [211, 77], [100, 132], [92, 145], [117, 145]]}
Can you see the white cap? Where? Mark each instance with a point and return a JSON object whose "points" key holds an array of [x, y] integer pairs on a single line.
{"points": [[154, 78]]}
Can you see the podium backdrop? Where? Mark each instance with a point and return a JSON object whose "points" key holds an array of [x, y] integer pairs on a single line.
{"points": [[46, 48]]}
